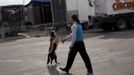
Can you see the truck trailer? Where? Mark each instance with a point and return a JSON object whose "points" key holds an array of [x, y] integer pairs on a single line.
{"points": [[105, 14]]}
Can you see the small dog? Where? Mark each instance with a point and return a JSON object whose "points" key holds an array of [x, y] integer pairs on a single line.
{"points": [[54, 41]]}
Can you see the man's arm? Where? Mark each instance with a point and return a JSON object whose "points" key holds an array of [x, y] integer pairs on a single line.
{"points": [[74, 31]]}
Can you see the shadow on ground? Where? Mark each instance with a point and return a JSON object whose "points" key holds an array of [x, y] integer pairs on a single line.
{"points": [[53, 70]]}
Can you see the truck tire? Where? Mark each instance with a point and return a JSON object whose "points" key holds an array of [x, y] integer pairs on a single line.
{"points": [[132, 23], [106, 27], [120, 24]]}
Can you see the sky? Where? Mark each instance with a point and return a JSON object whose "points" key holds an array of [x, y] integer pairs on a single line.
{"points": [[12, 2]]}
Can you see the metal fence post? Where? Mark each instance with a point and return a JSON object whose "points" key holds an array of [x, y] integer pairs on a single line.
{"points": [[2, 33], [51, 2]]}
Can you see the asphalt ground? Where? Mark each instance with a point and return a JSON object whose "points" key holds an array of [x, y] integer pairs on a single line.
{"points": [[111, 53]]}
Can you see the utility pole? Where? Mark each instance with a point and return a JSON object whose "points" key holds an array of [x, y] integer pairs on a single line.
{"points": [[51, 2], [22, 16], [77, 4]]}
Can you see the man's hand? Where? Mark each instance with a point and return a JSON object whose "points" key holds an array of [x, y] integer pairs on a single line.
{"points": [[70, 47]]}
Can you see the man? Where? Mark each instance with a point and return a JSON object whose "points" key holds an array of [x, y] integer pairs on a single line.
{"points": [[77, 45]]}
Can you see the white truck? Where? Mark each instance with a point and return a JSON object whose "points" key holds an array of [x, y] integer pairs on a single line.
{"points": [[107, 14]]}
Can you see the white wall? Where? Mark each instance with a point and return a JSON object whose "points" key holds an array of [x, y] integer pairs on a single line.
{"points": [[71, 9], [81, 7], [71, 5]]}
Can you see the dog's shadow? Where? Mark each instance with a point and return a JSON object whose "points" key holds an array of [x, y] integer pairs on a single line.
{"points": [[53, 70]]}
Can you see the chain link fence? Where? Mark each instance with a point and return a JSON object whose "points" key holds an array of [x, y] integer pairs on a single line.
{"points": [[12, 19], [59, 27]]}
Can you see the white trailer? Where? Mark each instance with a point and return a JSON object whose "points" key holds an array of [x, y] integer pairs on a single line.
{"points": [[107, 14]]}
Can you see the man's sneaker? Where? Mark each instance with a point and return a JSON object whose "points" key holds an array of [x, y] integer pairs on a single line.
{"points": [[65, 70], [89, 73]]}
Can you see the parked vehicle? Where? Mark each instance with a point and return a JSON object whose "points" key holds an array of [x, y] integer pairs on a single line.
{"points": [[106, 14], [10, 19]]}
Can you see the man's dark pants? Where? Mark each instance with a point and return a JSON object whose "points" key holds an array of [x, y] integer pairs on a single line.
{"points": [[79, 47]]}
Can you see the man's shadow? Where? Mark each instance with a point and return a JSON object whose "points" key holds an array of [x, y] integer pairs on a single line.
{"points": [[54, 71]]}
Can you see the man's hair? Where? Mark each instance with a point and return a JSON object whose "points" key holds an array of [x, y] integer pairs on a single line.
{"points": [[75, 18]]}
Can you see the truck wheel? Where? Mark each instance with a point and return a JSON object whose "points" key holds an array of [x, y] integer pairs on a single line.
{"points": [[106, 27], [132, 23], [120, 24]]}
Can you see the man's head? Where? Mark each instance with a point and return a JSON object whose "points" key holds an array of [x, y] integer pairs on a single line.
{"points": [[74, 17]]}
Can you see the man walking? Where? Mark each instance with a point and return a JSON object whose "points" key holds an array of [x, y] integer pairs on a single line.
{"points": [[77, 45]]}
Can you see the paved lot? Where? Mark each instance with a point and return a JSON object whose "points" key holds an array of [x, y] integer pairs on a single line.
{"points": [[111, 53]]}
